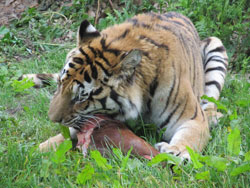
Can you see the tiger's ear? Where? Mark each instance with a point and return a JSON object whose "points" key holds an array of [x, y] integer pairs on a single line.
{"points": [[129, 62], [86, 32]]}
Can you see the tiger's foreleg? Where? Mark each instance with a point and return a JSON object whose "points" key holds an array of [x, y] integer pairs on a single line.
{"points": [[53, 142], [193, 133]]}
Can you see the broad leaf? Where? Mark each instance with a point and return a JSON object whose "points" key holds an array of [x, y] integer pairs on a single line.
{"points": [[20, 86], [101, 161], [59, 155], [86, 174], [65, 132], [164, 157], [247, 156], [213, 100], [217, 162], [194, 157], [233, 142], [203, 175], [241, 169]]}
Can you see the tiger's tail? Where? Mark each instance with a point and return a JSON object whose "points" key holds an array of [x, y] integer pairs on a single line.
{"points": [[41, 80], [215, 63]]}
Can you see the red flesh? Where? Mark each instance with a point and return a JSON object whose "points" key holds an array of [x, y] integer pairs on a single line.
{"points": [[112, 133]]}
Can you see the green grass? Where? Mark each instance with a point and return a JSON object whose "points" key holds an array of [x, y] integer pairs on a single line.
{"points": [[23, 114]]}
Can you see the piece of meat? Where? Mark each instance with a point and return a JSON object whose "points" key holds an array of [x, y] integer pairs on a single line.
{"points": [[105, 132]]}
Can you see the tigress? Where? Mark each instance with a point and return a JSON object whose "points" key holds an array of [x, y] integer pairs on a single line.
{"points": [[152, 66]]}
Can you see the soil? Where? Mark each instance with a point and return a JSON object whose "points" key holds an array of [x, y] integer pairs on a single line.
{"points": [[12, 9]]}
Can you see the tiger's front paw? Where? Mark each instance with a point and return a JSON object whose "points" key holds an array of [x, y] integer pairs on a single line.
{"points": [[164, 147]]}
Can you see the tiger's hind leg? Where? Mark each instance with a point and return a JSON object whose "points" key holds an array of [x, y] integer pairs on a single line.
{"points": [[41, 80]]}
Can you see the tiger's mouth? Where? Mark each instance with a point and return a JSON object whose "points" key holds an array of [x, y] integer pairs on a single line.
{"points": [[84, 135], [81, 120]]}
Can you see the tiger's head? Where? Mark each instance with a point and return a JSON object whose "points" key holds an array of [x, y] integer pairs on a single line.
{"points": [[98, 77]]}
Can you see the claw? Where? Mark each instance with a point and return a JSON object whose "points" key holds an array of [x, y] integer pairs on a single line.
{"points": [[164, 147]]}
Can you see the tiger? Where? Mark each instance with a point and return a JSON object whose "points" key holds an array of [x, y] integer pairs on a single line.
{"points": [[152, 66]]}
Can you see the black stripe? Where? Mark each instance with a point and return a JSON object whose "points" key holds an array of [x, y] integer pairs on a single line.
{"points": [[78, 60], [177, 91], [79, 83], [139, 24], [102, 67], [86, 56], [153, 86], [103, 43], [170, 94], [218, 49], [182, 112], [194, 70], [177, 15], [221, 60], [222, 69], [93, 51], [44, 79], [113, 51], [202, 112], [87, 77], [195, 113], [134, 21], [214, 83], [103, 102], [71, 65], [97, 92], [122, 36], [170, 116], [86, 105], [105, 79], [102, 56], [94, 73], [82, 70], [114, 96], [154, 15], [153, 42], [207, 41]]}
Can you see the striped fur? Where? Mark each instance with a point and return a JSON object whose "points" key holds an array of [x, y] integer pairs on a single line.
{"points": [[215, 63], [153, 66]]}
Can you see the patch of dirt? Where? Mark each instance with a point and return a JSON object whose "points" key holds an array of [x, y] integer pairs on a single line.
{"points": [[12, 9]]}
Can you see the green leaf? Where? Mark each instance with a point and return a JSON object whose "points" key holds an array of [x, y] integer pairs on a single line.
{"points": [[86, 174], [3, 31], [164, 157], [241, 169], [65, 132], [218, 104], [233, 142], [194, 158], [101, 161], [203, 175], [59, 155], [247, 156], [116, 184], [20, 86], [217, 162]]}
